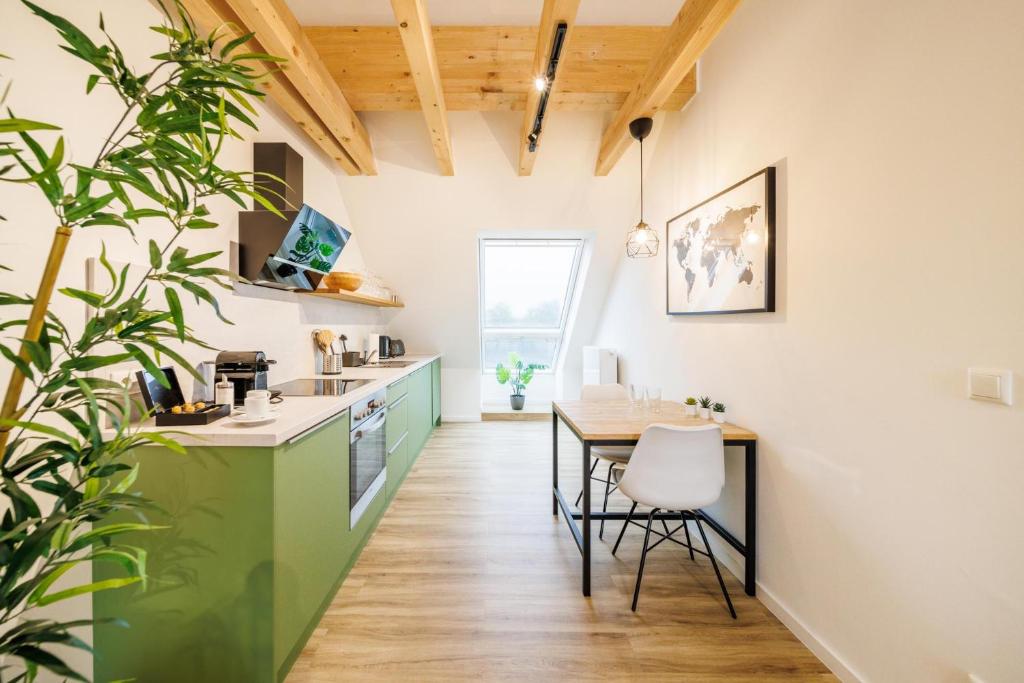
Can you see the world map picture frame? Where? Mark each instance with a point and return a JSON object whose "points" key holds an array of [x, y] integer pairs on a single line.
{"points": [[720, 253]]}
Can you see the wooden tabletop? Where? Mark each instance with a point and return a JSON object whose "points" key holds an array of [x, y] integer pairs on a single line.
{"points": [[618, 421]]}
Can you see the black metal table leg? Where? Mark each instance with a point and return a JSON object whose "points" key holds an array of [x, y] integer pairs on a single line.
{"points": [[750, 511], [554, 463], [586, 518]]}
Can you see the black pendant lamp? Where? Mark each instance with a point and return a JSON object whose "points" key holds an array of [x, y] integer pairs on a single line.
{"points": [[642, 241]]}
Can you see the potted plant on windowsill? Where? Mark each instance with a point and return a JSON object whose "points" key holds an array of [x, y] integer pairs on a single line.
{"points": [[705, 407], [718, 412], [690, 404], [517, 375]]}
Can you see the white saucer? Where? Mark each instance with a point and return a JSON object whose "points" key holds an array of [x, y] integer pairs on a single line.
{"points": [[243, 419]]}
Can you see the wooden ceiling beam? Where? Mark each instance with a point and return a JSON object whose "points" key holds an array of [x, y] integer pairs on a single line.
{"points": [[418, 40], [211, 15], [693, 29], [490, 68], [554, 13], [278, 30]]}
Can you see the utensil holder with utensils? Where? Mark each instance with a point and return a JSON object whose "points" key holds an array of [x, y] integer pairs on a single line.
{"points": [[333, 363]]}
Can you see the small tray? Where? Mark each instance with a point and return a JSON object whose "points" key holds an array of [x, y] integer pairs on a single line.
{"points": [[209, 414], [160, 399]]}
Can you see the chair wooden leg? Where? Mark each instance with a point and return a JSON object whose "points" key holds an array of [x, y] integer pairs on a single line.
{"points": [[580, 497], [689, 544], [643, 558], [725, 591], [622, 533], [607, 489]]}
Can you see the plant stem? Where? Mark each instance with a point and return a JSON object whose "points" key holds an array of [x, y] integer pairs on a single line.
{"points": [[33, 328]]}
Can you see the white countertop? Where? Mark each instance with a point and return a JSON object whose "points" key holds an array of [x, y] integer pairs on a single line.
{"points": [[296, 413]]}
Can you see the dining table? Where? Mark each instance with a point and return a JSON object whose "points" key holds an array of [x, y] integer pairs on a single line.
{"points": [[621, 423]]}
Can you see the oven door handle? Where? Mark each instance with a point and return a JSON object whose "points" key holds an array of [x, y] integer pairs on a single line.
{"points": [[363, 431]]}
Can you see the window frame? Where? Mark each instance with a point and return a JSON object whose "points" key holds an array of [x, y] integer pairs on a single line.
{"points": [[567, 305]]}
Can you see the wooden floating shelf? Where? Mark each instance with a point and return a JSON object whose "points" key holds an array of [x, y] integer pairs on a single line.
{"points": [[353, 297]]}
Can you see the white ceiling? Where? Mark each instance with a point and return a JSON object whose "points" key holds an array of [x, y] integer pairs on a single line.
{"points": [[484, 12]]}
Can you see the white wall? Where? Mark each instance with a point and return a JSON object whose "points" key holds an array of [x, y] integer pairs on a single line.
{"points": [[428, 225], [890, 505]]}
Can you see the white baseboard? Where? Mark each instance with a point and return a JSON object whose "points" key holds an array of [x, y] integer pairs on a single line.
{"points": [[460, 418], [820, 648], [733, 561]]}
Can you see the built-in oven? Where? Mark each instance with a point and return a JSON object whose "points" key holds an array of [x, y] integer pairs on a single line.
{"points": [[367, 454]]}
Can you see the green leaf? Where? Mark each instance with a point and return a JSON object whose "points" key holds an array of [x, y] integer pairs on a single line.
{"points": [[155, 258], [88, 207], [41, 428], [163, 440], [136, 214], [87, 588], [18, 361], [201, 293], [150, 366], [92, 298], [104, 532], [180, 259], [14, 125], [94, 362], [91, 83], [176, 313]]}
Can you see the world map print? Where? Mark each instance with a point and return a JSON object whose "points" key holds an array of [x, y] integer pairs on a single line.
{"points": [[718, 242], [718, 257]]}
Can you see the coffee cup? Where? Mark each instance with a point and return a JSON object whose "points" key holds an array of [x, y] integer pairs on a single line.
{"points": [[257, 403]]}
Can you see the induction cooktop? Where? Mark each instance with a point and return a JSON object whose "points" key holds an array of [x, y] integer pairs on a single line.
{"points": [[319, 387]]}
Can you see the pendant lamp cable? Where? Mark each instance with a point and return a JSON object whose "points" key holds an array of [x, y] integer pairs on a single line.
{"points": [[641, 180]]}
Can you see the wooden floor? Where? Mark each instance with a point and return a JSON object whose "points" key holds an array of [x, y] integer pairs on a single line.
{"points": [[469, 576]]}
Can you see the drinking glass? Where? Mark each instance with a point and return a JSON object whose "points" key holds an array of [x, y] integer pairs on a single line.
{"points": [[654, 399], [636, 396]]}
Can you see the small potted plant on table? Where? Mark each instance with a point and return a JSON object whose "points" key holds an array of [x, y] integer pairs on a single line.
{"points": [[517, 375], [691, 406], [718, 412], [705, 407]]}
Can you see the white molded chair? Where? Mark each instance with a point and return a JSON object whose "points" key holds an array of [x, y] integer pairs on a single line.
{"points": [[615, 456], [677, 469]]}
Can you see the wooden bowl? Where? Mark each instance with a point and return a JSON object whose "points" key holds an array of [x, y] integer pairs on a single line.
{"points": [[350, 282]]}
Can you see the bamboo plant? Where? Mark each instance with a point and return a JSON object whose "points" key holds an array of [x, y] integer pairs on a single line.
{"points": [[63, 475]]}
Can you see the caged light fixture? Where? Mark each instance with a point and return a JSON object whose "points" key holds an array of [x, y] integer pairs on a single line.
{"points": [[642, 241]]}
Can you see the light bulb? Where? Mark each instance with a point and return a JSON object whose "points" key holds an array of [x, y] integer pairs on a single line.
{"points": [[641, 236], [751, 237], [540, 83]]}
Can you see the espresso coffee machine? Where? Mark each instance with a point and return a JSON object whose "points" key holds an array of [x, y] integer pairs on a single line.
{"points": [[245, 369]]}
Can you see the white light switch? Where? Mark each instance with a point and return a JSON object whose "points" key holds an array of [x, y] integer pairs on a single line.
{"points": [[989, 384]]}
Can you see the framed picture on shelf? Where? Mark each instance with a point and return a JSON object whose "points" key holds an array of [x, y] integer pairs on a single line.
{"points": [[720, 255]]}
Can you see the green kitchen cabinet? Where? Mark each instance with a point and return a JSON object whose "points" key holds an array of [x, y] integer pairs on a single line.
{"points": [[257, 544], [312, 542], [397, 390], [398, 465], [435, 377], [420, 408], [397, 420]]}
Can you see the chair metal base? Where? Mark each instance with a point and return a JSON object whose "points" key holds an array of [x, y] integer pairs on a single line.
{"points": [[609, 488], [668, 536]]}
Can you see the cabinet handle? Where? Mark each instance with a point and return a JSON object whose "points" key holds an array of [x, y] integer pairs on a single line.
{"points": [[302, 435], [399, 442], [398, 401]]}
